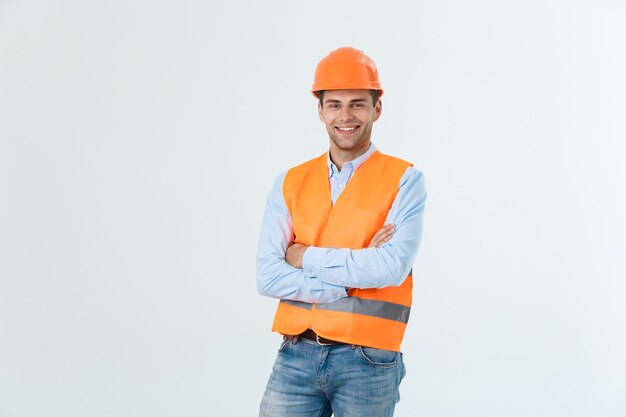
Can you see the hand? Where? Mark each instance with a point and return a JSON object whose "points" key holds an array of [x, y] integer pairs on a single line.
{"points": [[294, 255], [382, 236]]}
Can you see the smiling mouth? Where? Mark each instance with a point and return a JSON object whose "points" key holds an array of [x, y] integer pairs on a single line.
{"points": [[347, 130]]}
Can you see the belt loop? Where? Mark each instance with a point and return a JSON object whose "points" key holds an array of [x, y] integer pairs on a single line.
{"points": [[317, 339]]}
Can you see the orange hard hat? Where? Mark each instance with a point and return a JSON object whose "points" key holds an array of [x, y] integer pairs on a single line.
{"points": [[346, 69]]}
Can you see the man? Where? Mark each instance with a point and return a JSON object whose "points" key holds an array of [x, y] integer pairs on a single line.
{"points": [[338, 239]]}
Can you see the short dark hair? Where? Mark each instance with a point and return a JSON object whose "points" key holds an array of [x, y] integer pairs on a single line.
{"points": [[374, 93]]}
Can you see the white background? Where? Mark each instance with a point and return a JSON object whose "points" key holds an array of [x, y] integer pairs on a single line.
{"points": [[138, 141]]}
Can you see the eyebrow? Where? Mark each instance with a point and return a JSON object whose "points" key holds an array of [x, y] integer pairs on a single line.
{"points": [[356, 100]]}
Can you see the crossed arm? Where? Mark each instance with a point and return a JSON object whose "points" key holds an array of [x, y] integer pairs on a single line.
{"points": [[318, 275], [295, 252]]}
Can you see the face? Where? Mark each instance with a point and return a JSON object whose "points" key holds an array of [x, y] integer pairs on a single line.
{"points": [[349, 116]]}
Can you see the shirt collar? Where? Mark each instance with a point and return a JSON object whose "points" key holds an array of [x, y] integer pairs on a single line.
{"points": [[356, 163]]}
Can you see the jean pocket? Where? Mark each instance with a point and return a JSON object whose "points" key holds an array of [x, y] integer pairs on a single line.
{"points": [[378, 357], [402, 370], [400, 376]]}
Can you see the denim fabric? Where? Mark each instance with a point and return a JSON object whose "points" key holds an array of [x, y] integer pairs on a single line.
{"points": [[309, 380]]}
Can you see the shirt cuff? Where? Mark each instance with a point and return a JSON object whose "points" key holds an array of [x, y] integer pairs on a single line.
{"points": [[312, 260], [332, 293]]}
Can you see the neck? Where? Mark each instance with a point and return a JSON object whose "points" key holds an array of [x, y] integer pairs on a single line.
{"points": [[341, 156]]}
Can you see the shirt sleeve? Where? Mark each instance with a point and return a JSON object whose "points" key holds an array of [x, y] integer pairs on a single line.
{"points": [[274, 276], [387, 265]]}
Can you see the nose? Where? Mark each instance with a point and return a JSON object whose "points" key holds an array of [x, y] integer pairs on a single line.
{"points": [[345, 113]]}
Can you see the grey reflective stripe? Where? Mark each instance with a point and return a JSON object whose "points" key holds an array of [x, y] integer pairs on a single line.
{"points": [[300, 304], [373, 308]]}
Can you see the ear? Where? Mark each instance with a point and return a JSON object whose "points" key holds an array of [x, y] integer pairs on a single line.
{"points": [[320, 113], [378, 109]]}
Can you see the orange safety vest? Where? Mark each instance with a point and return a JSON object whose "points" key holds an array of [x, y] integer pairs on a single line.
{"points": [[373, 317]]}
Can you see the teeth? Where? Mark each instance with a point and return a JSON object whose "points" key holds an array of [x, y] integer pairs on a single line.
{"points": [[346, 129]]}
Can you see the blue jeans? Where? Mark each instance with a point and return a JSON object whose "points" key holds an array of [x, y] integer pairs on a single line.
{"points": [[309, 380]]}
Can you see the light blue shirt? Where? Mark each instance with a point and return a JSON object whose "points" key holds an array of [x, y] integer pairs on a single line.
{"points": [[327, 272]]}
